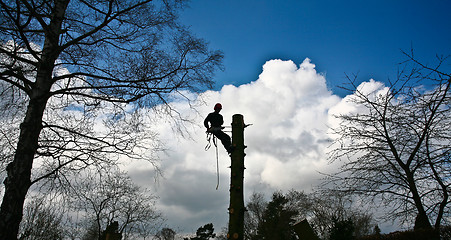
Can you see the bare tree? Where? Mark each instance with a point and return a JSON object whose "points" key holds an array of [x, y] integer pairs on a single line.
{"points": [[396, 147], [106, 198], [92, 203], [253, 217], [42, 221], [328, 207], [68, 63]]}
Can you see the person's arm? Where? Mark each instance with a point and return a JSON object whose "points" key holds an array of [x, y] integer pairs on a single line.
{"points": [[206, 121]]}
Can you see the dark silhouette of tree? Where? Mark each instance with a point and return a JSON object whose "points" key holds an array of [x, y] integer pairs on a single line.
{"points": [[277, 220], [111, 229], [205, 232], [63, 63], [166, 234], [98, 201], [42, 221], [319, 208], [397, 145], [112, 198], [329, 206], [91, 233], [342, 230], [377, 231], [253, 217]]}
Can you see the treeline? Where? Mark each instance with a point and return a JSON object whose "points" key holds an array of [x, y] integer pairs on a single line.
{"points": [[331, 215], [96, 205], [421, 234]]}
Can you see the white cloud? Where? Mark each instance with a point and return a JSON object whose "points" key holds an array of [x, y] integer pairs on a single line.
{"points": [[371, 88], [288, 106], [348, 104]]}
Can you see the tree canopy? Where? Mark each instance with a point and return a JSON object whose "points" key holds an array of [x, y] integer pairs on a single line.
{"points": [[395, 146], [65, 64]]}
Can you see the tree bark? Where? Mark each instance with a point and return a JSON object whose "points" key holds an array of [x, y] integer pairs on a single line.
{"points": [[18, 180], [422, 219], [236, 207]]}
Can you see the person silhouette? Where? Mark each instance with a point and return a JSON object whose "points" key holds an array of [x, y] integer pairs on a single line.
{"points": [[213, 122]]}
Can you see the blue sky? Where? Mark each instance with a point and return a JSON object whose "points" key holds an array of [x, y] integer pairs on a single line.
{"points": [[352, 37]]}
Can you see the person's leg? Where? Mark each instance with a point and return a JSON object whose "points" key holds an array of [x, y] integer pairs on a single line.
{"points": [[225, 140]]}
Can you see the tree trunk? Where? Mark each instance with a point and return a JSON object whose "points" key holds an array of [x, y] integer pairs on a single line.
{"points": [[236, 207], [422, 219], [18, 179]]}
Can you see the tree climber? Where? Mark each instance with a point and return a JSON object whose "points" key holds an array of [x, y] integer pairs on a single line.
{"points": [[215, 119]]}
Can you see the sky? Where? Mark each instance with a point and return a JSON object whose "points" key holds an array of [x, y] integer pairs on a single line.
{"points": [[284, 61], [352, 37]]}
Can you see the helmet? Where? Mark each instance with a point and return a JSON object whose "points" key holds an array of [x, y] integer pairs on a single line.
{"points": [[218, 106]]}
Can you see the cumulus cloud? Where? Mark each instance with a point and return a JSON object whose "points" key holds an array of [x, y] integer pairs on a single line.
{"points": [[349, 104], [288, 107]]}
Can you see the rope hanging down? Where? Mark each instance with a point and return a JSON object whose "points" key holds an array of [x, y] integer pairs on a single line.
{"points": [[210, 136]]}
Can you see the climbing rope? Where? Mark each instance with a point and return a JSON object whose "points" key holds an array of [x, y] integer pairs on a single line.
{"points": [[211, 137]]}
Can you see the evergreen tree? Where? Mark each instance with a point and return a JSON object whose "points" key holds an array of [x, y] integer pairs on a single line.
{"points": [[204, 233], [342, 230], [277, 220]]}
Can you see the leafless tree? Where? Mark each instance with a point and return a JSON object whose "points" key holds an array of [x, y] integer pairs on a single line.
{"points": [[104, 198], [254, 215], [93, 202], [66, 64], [42, 220], [396, 147], [328, 206]]}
